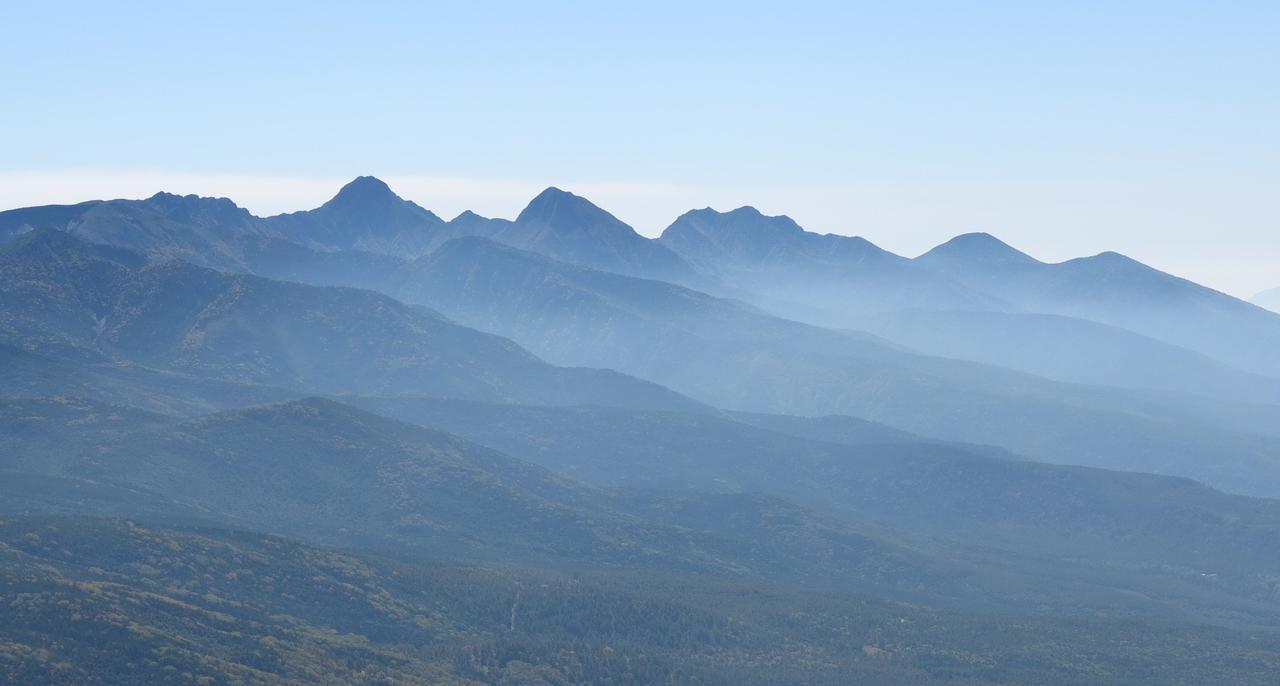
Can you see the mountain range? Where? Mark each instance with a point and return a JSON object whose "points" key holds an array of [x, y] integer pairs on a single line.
{"points": [[552, 450], [839, 280], [247, 329], [829, 280]]}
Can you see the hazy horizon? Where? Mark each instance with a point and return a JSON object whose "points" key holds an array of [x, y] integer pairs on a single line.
{"points": [[1066, 131], [648, 208]]}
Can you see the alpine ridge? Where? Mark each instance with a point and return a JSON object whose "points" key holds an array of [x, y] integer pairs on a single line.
{"points": [[549, 450]]}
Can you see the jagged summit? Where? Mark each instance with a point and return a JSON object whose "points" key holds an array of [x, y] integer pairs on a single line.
{"points": [[743, 223], [976, 247], [198, 208], [746, 212], [746, 236], [166, 196]]}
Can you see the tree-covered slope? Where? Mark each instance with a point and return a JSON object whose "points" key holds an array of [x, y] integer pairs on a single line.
{"points": [[712, 495], [109, 602], [326, 472], [1148, 530]]}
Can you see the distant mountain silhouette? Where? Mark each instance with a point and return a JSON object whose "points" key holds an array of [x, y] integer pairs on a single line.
{"points": [[1071, 349], [747, 237], [734, 356], [364, 215], [571, 229], [1114, 289], [822, 278], [827, 280], [724, 351], [841, 281], [977, 248]]}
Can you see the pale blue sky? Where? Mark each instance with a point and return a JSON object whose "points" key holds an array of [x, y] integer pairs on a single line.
{"points": [[1066, 128]]}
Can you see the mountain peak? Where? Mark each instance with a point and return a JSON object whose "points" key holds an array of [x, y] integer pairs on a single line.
{"points": [[368, 183], [468, 221], [977, 247], [561, 209], [368, 200], [364, 191], [572, 229], [554, 194], [365, 215], [745, 221]]}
